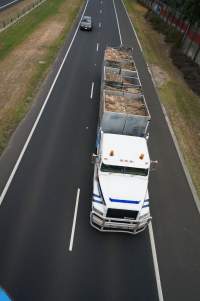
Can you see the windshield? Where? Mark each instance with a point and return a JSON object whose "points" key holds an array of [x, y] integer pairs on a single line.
{"points": [[125, 170], [86, 19]]}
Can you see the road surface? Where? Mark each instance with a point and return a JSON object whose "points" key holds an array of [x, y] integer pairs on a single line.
{"points": [[38, 204], [7, 3]]}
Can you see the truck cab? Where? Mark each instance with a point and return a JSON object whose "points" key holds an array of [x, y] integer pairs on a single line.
{"points": [[120, 200]]}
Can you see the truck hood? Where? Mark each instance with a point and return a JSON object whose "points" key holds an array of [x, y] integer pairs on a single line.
{"points": [[123, 191]]}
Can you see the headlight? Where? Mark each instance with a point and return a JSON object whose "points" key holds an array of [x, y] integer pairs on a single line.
{"points": [[97, 210], [144, 216]]}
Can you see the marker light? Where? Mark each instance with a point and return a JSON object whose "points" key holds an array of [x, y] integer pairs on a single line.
{"points": [[141, 156], [112, 153]]}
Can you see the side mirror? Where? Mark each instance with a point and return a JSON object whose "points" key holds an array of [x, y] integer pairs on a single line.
{"points": [[153, 165], [147, 136], [94, 158]]}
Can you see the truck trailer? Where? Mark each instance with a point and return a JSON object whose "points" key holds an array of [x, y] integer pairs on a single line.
{"points": [[120, 200]]}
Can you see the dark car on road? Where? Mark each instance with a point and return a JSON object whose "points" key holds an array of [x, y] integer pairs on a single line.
{"points": [[86, 23]]}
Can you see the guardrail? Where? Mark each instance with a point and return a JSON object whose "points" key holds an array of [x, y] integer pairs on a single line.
{"points": [[25, 11]]}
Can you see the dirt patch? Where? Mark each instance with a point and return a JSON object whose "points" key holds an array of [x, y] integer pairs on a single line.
{"points": [[19, 66], [159, 75]]}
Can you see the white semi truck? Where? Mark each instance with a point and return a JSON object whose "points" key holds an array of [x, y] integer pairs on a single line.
{"points": [[121, 172]]}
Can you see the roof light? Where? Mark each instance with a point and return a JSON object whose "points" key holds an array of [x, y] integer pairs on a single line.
{"points": [[111, 153], [141, 156]]}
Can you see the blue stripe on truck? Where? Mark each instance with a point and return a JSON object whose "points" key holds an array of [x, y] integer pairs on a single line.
{"points": [[124, 201]]}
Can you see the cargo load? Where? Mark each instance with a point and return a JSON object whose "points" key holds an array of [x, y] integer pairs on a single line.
{"points": [[123, 109]]}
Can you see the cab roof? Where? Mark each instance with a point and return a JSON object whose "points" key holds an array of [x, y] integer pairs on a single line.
{"points": [[86, 18], [121, 150]]}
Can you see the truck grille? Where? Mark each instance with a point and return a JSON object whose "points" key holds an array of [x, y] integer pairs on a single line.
{"points": [[119, 213]]}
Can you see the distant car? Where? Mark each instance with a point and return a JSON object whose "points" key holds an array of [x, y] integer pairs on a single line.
{"points": [[86, 23]]}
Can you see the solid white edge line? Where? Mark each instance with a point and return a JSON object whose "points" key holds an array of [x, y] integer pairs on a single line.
{"points": [[155, 262], [74, 220], [151, 235], [120, 37], [92, 89], [180, 155], [132, 27], [8, 4], [97, 46], [38, 117], [189, 179]]}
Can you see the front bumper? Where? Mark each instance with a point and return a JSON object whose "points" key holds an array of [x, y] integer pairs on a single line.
{"points": [[85, 28], [107, 224]]}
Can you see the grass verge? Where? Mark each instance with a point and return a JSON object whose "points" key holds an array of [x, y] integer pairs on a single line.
{"points": [[182, 105], [16, 34], [23, 38], [14, 11]]}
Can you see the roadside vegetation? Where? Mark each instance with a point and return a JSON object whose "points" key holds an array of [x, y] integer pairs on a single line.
{"points": [[181, 103], [14, 11], [27, 50], [187, 65], [188, 10]]}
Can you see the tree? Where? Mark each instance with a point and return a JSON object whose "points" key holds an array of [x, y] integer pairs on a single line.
{"points": [[191, 12]]}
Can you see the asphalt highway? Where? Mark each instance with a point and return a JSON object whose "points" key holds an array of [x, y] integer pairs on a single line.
{"points": [[37, 211], [7, 3]]}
